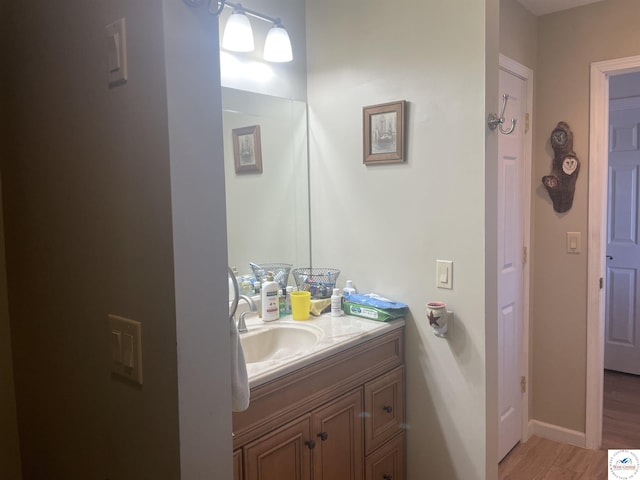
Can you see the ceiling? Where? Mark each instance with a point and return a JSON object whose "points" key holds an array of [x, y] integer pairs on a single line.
{"points": [[542, 7]]}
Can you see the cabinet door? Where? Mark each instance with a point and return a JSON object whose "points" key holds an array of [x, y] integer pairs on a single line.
{"points": [[237, 464], [282, 454], [387, 463], [337, 428], [384, 406]]}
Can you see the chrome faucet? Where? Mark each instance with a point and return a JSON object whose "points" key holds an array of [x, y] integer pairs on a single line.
{"points": [[242, 326]]}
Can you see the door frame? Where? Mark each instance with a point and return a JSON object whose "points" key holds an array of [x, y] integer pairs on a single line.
{"points": [[511, 66], [596, 250]]}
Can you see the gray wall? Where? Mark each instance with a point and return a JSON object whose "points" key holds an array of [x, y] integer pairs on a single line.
{"points": [[601, 31], [518, 33], [384, 226], [97, 187], [561, 63], [199, 242], [9, 442]]}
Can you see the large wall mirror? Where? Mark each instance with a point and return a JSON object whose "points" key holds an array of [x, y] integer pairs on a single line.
{"points": [[267, 211]]}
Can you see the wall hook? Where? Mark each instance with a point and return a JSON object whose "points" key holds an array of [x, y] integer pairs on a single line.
{"points": [[496, 122]]}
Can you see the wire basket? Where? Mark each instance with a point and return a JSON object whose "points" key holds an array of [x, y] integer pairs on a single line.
{"points": [[280, 272], [320, 282]]}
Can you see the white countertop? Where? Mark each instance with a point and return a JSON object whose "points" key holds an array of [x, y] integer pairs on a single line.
{"points": [[337, 334]]}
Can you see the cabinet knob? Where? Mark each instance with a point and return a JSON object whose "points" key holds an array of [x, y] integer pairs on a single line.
{"points": [[388, 409], [311, 444], [387, 477], [323, 436]]}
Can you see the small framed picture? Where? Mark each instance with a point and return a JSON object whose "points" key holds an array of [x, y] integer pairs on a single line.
{"points": [[247, 153], [383, 128]]}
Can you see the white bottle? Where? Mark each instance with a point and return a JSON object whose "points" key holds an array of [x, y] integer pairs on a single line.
{"points": [[348, 290], [336, 303], [269, 299]]}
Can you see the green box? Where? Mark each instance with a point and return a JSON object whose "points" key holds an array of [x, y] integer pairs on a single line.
{"points": [[372, 313]]}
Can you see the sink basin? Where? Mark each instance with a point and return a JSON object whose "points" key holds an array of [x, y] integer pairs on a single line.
{"points": [[278, 341]]}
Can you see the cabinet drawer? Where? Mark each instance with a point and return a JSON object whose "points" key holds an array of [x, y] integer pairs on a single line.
{"points": [[387, 463], [384, 407]]}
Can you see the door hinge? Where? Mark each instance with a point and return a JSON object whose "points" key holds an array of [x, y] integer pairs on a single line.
{"points": [[524, 255], [601, 283], [523, 384], [526, 122]]}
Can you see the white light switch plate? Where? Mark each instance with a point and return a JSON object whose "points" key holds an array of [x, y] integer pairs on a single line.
{"points": [[444, 274], [126, 348], [574, 242], [117, 52]]}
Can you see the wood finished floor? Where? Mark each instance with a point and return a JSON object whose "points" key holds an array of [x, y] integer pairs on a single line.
{"points": [[542, 459], [621, 412]]}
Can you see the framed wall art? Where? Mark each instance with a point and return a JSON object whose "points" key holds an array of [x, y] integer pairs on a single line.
{"points": [[383, 128], [247, 153]]}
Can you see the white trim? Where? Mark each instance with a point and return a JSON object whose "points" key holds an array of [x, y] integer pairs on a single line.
{"points": [[598, 155], [556, 433], [515, 68]]}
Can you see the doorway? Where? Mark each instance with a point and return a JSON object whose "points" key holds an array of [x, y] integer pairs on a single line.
{"points": [[622, 290], [514, 192], [598, 180]]}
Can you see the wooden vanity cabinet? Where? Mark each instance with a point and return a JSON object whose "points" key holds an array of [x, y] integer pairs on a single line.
{"points": [[338, 429], [284, 453], [328, 442], [341, 418], [384, 404], [387, 462], [237, 464]]}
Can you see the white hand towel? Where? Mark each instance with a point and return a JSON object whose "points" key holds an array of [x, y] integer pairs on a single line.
{"points": [[239, 378]]}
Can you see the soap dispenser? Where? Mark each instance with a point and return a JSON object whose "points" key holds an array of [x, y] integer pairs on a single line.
{"points": [[269, 299]]}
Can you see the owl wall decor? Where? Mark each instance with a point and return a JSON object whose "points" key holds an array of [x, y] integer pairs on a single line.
{"points": [[561, 184]]}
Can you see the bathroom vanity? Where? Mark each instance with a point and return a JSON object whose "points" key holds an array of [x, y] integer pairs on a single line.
{"points": [[336, 412]]}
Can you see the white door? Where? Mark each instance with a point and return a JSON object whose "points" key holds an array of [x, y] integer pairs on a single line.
{"points": [[622, 313], [510, 263]]}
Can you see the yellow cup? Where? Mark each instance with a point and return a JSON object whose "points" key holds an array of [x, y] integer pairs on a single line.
{"points": [[300, 305]]}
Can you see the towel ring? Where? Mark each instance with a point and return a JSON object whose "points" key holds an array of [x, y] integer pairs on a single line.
{"points": [[236, 294]]}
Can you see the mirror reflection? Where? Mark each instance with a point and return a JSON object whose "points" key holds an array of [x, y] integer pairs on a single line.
{"points": [[267, 210]]}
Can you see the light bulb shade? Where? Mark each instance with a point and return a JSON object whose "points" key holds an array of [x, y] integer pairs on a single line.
{"points": [[277, 46], [238, 35]]}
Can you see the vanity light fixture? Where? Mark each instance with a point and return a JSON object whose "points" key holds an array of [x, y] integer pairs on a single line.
{"points": [[238, 35], [277, 46]]}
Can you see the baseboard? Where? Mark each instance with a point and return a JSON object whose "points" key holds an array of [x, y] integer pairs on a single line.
{"points": [[557, 433]]}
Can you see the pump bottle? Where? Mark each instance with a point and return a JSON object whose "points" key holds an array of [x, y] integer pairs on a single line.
{"points": [[269, 299]]}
